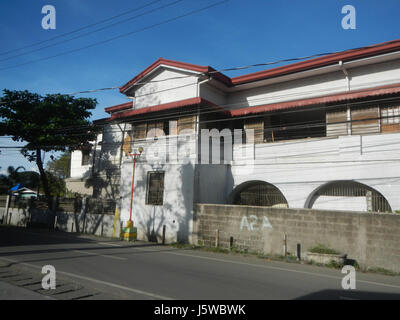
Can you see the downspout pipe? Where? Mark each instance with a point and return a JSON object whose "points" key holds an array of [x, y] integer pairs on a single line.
{"points": [[199, 83], [199, 96], [346, 73]]}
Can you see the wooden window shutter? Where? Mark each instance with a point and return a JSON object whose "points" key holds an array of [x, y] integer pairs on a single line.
{"points": [[390, 119], [258, 126], [186, 123], [336, 124], [365, 120], [139, 131], [155, 129], [173, 127]]}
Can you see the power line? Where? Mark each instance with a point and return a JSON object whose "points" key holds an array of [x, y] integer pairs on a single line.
{"points": [[210, 110], [81, 28], [249, 66], [227, 107], [120, 36], [94, 127], [93, 31]]}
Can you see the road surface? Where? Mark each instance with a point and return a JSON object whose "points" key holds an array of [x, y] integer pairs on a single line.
{"points": [[99, 268]]}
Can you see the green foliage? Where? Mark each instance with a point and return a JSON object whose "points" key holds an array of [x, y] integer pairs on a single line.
{"points": [[60, 166], [56, 184], [46, 123], [320, 248], [42, 121]]}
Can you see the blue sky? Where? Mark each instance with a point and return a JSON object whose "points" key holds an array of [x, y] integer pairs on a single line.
{"points": [[235, 33]]}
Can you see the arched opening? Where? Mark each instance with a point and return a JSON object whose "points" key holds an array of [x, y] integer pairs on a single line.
{"points": [[348, 195], [258, 193]]}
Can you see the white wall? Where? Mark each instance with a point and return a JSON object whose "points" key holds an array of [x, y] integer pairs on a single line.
{"points": [[176, 213], [77, 169], [299, 167], [184, 86], [319, 85]]}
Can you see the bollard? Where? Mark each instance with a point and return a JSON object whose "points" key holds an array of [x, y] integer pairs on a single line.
{"points": [[285, 244], [299, 251], [55, 222], [231, 243], [163, 234], [5, 220], [216, 238]]}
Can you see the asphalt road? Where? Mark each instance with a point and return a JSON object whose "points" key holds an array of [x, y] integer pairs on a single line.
{"points": [[99, 268]]}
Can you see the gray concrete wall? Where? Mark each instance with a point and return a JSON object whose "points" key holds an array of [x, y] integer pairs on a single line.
{"points": [[372, 239], [96, 224]]}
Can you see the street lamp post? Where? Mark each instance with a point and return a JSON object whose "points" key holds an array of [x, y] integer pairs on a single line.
{"points": [[130, 232], [134, 156]]}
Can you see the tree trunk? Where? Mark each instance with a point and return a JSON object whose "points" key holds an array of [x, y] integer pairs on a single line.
{"points": [[43, 177]]}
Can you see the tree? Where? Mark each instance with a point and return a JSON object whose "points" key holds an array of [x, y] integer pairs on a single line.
{"points": [[51, 123], [11, 179], [60, 166]]}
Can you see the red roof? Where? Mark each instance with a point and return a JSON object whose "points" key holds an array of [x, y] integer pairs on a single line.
{"points": [[330, 59], [350, 95], [165, 106], [119, 107], [177, 64]]}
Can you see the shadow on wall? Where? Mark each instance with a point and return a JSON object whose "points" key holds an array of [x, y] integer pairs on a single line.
{"points": [[178, 208], [105, 178], [92, 217]]}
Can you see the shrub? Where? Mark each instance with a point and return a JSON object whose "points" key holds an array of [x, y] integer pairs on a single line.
{"points": [[320, 248]]}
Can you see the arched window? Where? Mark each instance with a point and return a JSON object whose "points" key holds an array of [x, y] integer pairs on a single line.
{"points": [[348, 195], [258, 193]]}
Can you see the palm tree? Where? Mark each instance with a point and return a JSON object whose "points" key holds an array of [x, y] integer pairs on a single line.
{"points": [[12, 178]]}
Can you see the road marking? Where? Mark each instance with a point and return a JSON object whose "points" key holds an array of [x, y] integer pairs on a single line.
{"points": [[270, 267], [99, 255], [110, 284], [225, 261], [110, 244]]}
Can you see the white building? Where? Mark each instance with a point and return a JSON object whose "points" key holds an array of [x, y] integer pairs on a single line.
{"points": [[326, 135]]}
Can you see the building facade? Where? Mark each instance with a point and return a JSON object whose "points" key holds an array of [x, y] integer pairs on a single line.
{"points": [[321, 133]]}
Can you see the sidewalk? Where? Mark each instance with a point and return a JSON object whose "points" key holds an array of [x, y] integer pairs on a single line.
{"points": [[11, 292]]}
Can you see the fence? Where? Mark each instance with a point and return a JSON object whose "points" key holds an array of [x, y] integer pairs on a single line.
{"points": [[372, 239], [82, 215]]}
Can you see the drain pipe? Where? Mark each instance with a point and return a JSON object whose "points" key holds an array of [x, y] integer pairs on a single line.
{"points": [[346, 73], [199, 83], [199, 96]]}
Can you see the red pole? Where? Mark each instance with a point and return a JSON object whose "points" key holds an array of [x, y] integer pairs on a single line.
{"points": [[133, 180]]}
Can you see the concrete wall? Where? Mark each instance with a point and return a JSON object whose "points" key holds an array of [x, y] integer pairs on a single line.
{"points": [[78, 185], [97, 224], [373, 240]]}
